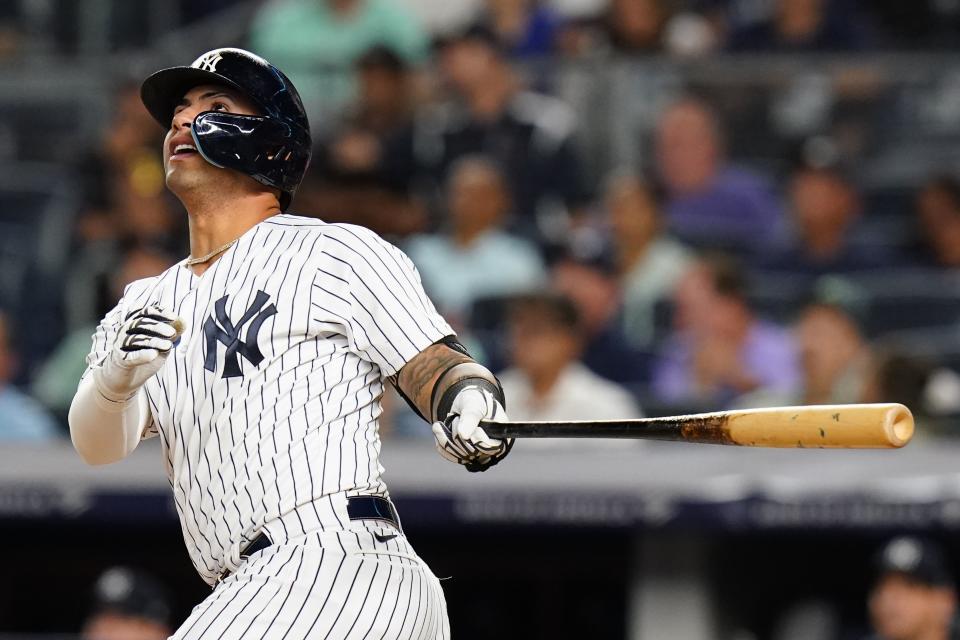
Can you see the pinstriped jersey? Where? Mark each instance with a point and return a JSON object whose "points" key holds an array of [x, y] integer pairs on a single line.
{"points": [[268, 404]]}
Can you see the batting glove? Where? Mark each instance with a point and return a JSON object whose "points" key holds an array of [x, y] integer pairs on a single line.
{"points": [[140, 349], [459, 436]]}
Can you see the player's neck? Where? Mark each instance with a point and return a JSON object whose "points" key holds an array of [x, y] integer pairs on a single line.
{"points": [[217, 222]]}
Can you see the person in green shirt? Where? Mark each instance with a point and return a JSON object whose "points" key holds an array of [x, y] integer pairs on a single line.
{"points": [[318, 41]]}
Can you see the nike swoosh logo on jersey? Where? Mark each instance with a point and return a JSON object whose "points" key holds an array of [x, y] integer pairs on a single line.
{"points": [[381, 538]]}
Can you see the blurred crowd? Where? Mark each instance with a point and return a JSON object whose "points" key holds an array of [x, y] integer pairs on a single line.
{"points": [[690, 280]]}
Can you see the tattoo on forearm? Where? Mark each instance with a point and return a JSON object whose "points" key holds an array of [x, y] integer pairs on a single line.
{"points": [[417, 379]]}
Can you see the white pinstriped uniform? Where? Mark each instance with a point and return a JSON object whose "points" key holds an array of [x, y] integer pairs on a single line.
{"points": [[267, 412]]}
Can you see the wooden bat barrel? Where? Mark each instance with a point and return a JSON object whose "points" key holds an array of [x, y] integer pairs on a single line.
{"points": [[887, 425]]}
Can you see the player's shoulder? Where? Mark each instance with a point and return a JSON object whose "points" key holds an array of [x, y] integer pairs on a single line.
{"points": [[292, 224], [354, 239], [348, 233]]}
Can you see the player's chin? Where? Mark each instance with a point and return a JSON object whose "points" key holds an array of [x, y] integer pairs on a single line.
{"points": [[182, 178]]}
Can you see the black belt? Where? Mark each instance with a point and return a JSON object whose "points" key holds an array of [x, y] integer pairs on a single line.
{"points": [[358, 508], [372, 508]]}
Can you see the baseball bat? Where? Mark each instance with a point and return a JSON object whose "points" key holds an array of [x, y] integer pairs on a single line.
{"points": [[850, 426]]}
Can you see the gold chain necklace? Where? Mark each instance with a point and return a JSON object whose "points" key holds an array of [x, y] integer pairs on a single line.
{"points": [[192, 261]]}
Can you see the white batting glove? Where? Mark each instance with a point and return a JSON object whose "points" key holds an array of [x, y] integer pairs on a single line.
{"points": [[142, 346], [459, 436]]}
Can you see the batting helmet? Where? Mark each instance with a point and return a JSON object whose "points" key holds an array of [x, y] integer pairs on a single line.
{"points": [[273, 148]]}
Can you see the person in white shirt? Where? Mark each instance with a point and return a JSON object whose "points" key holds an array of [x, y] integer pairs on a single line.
{"points": [[547, 381]]}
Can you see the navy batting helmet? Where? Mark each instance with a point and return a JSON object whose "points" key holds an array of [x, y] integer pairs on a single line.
{"points": [[273, 148]]}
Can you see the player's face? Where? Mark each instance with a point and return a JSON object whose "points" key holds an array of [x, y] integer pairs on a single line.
{"points": [[901, 609], [183, 164], [109, 626]]}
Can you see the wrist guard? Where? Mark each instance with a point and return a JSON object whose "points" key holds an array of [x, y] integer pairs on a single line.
{"points": [[454, 380]]}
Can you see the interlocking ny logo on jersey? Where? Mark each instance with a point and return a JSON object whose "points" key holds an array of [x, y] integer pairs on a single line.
{"points": [[223, 330]]}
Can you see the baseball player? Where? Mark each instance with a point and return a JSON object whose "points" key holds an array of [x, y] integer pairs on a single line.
{"points": [[260, 361]]}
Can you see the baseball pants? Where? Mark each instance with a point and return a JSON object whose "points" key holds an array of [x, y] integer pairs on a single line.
{"points": [[339, 585]]}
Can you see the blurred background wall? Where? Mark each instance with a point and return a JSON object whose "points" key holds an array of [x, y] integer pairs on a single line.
{"points": [[625, 207]]}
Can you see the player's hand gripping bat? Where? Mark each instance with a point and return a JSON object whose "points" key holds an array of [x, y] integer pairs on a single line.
{"points": [[851, 426]]}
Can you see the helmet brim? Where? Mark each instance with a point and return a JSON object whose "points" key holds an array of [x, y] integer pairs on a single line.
{"points": [[162, 91]]}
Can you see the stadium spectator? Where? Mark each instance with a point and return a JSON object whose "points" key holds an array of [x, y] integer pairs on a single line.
{"points": [[801, 26], [710, 203], [834, 355], [824, 207], [123, 201], [361, 172], [896, 375], [546, 380], [913, 596], [588, 276], [128, 605], [932, 24], [121, 178], [529, 134], [475, 258], [836, 360], [21, 417], [649, 261], [720, 349], [938, 215], [318, 43], [636, 26], [442, 17], [523, 28], [55, 383]]}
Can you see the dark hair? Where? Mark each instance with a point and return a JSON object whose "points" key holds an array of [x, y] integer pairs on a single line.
{"points": [[478, 33], [7, 330], [726, 275], [382, 57], [557, 309], [903, 378], [947, 184]]}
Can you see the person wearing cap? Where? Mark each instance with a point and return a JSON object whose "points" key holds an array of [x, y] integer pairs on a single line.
{"points": [[260, 361], [128, 605], [914, 596]]}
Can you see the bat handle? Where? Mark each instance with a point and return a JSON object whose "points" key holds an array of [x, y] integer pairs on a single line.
{"points": [[495, 429]]}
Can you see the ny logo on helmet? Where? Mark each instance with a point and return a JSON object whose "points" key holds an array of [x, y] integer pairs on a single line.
{"points": [[208, 61], [223, 330]]}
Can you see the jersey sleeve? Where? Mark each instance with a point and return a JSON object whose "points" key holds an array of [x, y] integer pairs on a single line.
{"points": [[375, 290], [104, 338]]}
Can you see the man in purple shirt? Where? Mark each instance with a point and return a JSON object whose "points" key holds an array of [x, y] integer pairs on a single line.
{"points": [[719, 349], [709, 203]]}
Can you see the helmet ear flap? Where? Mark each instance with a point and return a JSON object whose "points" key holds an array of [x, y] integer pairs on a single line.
{"points": [[273, 152]]}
